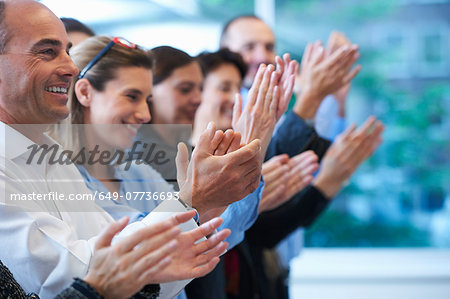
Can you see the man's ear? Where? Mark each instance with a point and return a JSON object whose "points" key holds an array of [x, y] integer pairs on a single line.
{"points": [[83, 91]]}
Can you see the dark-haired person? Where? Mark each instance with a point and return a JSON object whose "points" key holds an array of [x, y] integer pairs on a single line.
{"points": [[288, 208], [76, 30], [223, 72], [178, 79], [315, 114], [49, 222]]}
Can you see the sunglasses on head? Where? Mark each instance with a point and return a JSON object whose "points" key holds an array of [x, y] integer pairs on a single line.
{"points": [[115, 41]]}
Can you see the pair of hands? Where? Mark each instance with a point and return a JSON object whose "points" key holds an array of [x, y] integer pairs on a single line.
{"points": [[268, 99], [284, 177], [226, 167], [325, 71], [155, 254], [347, 152]]}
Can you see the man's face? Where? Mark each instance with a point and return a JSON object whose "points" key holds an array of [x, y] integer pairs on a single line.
{"points": [[254, 40], [36, 70]]}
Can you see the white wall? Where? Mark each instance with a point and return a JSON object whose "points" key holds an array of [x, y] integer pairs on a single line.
{"points": [[371, 273]]}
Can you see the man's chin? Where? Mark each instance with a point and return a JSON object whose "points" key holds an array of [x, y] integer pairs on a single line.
{"points": [[59, 115]]}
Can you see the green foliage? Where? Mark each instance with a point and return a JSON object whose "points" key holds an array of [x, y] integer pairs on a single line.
{"points": [[337, 229], [416, 114]]}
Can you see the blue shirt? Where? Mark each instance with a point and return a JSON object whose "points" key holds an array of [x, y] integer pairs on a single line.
{"points": [[238, 217]]}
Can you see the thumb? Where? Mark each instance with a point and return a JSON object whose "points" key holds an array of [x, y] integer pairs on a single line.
{"points": [[182, 163], [104, 240], [204, 142], [237, 110]]}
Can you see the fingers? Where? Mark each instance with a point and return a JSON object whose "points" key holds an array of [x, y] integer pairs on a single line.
{"points": [[318, 54], [279, 64], [303, 158], [204, 142], [211, 253], [306, 55], [182, 162], [272, 96], [347, 131], [237, 109], [273, 198], [342, 63], [108, 234], [274, 163], [352, 74], [152, 244], [223, 146], [154, 260], [366, 127], [264, 88], [211, 243], [254, 90], [279, 173], [361, 143], [205, 269], [204, 229], [179, 218], [148, 232], [148, 276], [217, 139], [245, 153], [236, 143]]}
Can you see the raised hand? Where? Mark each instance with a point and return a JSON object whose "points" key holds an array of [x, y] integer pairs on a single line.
{"points": [[276, 175], [123, 269], [335, 41], [220, 172], [346, 153], [259, 116], [286, 177], [191, 259], [287, 68], [302, 168], [322, 75]]}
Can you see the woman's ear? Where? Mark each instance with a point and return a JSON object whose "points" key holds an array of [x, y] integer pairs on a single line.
{"points": [[83, 91]]}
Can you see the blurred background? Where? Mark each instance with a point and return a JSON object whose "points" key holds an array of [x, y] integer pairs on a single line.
{"points": [[400, 198]]}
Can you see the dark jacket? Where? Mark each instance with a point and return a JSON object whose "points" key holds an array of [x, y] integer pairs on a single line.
{"points": [[244, 273]]}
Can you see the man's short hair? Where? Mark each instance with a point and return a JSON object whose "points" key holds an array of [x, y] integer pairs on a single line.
{"points": [[223, 35], [211, 61], [73, 25], [4, 33]]}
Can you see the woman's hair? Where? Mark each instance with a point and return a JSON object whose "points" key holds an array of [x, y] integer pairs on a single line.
{"points": [[210, 61], [167, 59], [105, 70]]}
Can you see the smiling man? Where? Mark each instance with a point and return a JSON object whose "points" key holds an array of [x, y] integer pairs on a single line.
{"points": [[48, 242]]}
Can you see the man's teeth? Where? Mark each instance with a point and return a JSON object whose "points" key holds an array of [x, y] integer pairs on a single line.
{"points": [[56, 89], [134, 129]]}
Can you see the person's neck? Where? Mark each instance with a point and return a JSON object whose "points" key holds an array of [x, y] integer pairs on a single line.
{"points": [[93, 144], [34, 132]]}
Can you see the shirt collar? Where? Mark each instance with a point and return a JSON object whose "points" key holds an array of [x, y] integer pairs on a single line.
{"points": [[18, 144]]}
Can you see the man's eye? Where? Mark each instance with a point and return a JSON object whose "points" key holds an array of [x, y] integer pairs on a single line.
{"points": [[48, 52], [249, 47], [132, 97], [185, 90], [225, 88]]}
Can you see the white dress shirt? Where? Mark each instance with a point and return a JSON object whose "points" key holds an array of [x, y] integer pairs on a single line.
{"points": [[47, 242]]}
